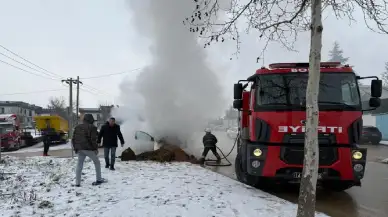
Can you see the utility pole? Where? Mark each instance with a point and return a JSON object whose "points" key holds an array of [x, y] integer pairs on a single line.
{"points": [[70, 82], [71, 120], [77, 82], [0, 147]]}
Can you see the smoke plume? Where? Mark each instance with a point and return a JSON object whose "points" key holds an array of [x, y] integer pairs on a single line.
{"points": [[179, 92]]}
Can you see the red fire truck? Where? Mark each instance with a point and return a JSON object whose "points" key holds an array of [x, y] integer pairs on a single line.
{"points": [[272, 105], [10, 134]]}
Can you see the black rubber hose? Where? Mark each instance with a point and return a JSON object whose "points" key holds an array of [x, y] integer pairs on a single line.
{"points": [[213, 163]]}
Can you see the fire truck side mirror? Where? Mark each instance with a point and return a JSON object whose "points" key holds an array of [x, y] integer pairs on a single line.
{"points": [[237, 104], [238, 89], [376, 88], [374, 102]]}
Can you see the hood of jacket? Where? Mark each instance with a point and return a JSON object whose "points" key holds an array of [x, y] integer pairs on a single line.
{"points": [[88, 118]]}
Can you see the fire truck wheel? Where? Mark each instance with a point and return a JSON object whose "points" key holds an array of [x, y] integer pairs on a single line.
{"points": [[337, 186], [242, 176]]}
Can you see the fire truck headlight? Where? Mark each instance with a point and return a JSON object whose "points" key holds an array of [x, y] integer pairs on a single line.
{"points": [[357, 155], [257, 152]]}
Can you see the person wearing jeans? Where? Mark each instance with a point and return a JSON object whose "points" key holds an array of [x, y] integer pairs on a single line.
{"points": [[112, 151], [82, 154], [109, 133], [85, 145]]}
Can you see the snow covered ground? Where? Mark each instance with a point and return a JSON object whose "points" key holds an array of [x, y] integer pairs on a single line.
{"points": [[39, 147], [42, 186], [384, 142]]}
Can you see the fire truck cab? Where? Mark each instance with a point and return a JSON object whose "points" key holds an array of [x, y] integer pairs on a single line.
{"points": [[10, 134], [272, 105]]}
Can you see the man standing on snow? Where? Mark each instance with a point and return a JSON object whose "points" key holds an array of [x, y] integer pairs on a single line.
{"points": [[209, 141], [109, 133], [47, 132], [85, 144]]}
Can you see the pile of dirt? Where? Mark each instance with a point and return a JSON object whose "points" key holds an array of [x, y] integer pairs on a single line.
{"points": [[167, 153], [128, 154]]}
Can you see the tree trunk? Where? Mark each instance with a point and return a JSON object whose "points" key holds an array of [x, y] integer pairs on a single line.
{"points": [[307, 193], [0, 147]]}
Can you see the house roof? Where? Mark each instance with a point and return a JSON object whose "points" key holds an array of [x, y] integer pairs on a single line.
{"points": [[380, 110], [19, 104], [365, 92], [92, 110]]}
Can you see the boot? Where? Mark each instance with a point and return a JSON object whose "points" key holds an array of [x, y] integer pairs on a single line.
{"points": [[107, 165], [202, 160], [112, 167], [218, 158]]}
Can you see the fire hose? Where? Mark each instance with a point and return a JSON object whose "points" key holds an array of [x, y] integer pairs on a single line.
{"points": [[215, 163]]}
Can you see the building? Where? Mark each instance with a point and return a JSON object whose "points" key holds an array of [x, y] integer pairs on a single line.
{"points": [[101, 114], [379, 116], [24, 111]]}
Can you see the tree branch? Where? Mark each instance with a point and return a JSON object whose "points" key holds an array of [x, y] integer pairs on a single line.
{"points": [[275, 20]]}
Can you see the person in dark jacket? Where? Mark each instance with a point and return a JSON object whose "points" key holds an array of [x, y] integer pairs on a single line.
{"points": [[209, 141], [85, 144], [47, 133], [109, 133]]}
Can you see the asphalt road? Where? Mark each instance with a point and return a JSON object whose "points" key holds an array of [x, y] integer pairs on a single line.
{"points": [[370, 200]]}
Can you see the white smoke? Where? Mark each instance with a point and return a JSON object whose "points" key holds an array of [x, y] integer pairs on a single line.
{"points": [[179, 92]]}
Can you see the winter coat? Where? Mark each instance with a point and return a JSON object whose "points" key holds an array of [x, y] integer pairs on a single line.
{"points": [[85, 135], [209, 140], [109, 135]]}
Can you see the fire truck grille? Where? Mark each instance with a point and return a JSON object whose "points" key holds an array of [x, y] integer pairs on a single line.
{"points": [[295, 154]]}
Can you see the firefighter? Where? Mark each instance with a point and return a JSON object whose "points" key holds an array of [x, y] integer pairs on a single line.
{"points": [[209, 141]]}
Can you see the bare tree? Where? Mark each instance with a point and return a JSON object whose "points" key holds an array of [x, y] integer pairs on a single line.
{"points": [[306, 203], [281, 21], [58, 106]]}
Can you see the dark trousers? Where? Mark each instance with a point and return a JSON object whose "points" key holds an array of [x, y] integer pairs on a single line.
{"points": [[112, 151], [46, 145], [213, 149]]}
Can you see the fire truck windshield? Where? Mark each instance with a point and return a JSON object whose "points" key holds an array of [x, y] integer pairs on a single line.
{"points": [[5, 128], [337, 91]]}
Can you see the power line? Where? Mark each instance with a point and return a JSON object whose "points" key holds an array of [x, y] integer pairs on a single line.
{"points": [[111, 74], [50, 78], [38, 91], [96, 90], [88, 91], [49, 72], [29, 61], [24, 64]]}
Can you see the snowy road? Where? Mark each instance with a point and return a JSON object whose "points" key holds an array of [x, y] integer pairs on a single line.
{"points": [[39, 148], [41, 186], [366, 201]]}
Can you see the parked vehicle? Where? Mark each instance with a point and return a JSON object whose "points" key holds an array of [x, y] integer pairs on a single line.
{"points": [[232, 132], [10, 134], [53, 126], [371, 134]]}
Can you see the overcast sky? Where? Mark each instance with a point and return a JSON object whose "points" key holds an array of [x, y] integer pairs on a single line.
{"points": [[95, 37]]}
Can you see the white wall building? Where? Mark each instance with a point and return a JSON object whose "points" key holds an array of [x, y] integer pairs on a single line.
{"points": [[369, 120], [24, 111]]}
